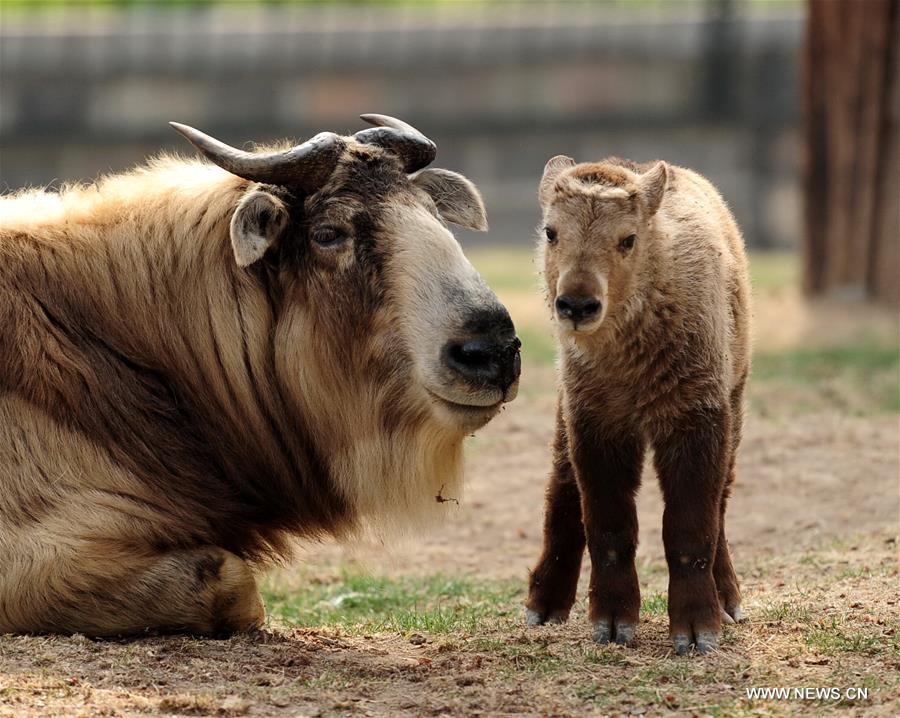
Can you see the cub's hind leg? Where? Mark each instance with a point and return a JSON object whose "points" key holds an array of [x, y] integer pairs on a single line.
{"points": [[723, 570]]}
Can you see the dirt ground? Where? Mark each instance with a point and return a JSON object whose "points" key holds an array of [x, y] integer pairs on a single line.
{"points": [[802, 480], [812, 526], [504, 671]]}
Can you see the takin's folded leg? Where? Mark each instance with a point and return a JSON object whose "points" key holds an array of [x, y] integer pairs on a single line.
{"points": [[206, 590]]}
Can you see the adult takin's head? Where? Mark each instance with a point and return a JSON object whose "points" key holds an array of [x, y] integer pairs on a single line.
{"points": [[596, 230], [348, 236]]}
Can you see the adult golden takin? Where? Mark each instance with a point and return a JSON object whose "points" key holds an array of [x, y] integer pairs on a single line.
{"points": [[200, 360]]}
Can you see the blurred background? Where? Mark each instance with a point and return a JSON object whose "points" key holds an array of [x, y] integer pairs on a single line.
{"points": [[500, 86], [723, 86]]}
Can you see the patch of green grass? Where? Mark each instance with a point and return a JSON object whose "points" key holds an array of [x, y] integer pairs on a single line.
{"points": [[833, 637], [589, 691], [656, 604], [786, 611], [521, 653], [854, 572], [536, 659], [538, 345], [361, 603], [673, 685], [774, 270], [326, 680], [811, 559], [817, 364], [507, 268], [869, 368], [609, 655]]}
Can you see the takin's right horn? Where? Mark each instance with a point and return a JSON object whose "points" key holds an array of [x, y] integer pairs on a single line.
{"points": [[307, 165]]}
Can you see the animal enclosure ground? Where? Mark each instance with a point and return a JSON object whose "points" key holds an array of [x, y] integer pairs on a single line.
{"points": [[435, 626]]}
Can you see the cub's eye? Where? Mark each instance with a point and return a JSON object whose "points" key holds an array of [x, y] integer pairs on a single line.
{"points": [[628, 242], [328, 236], [551, 234]]}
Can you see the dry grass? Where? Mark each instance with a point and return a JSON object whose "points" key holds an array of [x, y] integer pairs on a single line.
{"points": [[822, 618]]}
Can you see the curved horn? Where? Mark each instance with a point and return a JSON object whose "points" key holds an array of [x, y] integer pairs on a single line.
{"points": [[388, 121], [411, 146], [307, 165]]}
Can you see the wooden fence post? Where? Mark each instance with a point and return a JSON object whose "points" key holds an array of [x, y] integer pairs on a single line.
{"points": [[852, 171]]}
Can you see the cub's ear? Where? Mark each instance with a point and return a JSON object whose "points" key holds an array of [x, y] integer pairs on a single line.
{"points": [[258, 222], [456, 198], [653, 185], [552, 170]]}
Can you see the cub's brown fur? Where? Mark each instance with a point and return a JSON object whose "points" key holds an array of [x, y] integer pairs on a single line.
{"points": [[646, 276]]}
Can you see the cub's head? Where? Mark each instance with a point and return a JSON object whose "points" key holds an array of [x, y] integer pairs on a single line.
{"points": [[594, 235]]}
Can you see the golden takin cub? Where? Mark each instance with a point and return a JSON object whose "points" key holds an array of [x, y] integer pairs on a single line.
{"points": [[646, 278]]}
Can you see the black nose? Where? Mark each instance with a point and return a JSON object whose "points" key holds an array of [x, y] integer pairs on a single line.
{"points": [[485, 360], [577, 308]]}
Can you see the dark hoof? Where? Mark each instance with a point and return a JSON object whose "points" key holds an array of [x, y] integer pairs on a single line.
{"points": [[682, 643], [610, 631], [602, 631], [733, 615], [536, 618], [706, 642]]}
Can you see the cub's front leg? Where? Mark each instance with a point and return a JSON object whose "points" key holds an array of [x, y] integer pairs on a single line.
{"points": [[554, 580], [692, 463], [608, 462]]}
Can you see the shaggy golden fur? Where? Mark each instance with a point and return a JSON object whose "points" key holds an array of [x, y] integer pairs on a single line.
{"points": [[189, 375], [659, 357]]}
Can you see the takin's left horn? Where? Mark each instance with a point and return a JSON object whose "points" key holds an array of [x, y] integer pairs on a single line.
{"points": [[411, 146], [307, 165]]}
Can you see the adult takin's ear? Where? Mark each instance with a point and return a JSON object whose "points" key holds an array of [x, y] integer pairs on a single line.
{"points": [[256, 225], [552, 170], [456, 198], [653, 185]]}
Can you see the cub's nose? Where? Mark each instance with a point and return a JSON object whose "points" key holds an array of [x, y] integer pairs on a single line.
{"points": [[485, 360], [578, 309]]}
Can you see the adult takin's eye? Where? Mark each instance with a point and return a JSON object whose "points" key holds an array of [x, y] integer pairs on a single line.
{"points": [[329, 236], [551, 234], [628, 242]]}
